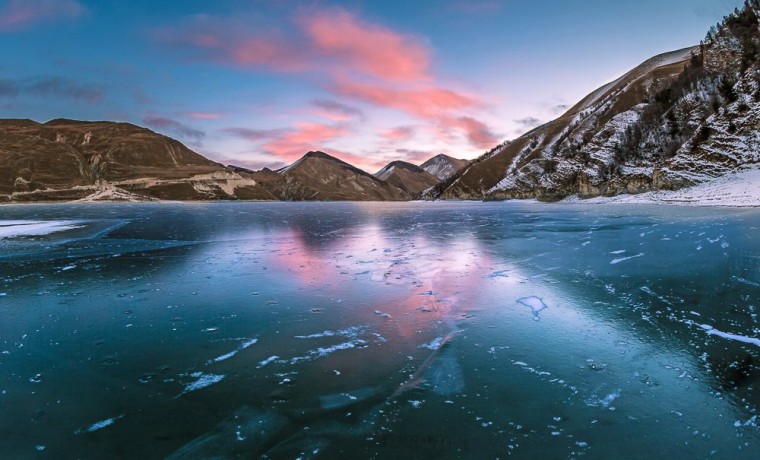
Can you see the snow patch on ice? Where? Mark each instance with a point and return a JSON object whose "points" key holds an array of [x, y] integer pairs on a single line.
{"points": [[17, 228]]}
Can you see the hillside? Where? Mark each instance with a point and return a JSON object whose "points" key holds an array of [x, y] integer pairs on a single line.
{"points": [[318, 176], [408, 177], [443, 166], [67, 159], [677, 120]]}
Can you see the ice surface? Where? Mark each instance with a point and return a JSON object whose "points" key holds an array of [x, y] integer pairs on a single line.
{"points": [[242, 434]]}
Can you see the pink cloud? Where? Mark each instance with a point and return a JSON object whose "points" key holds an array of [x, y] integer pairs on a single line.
{"points": [[436, 105], [365, 61], [367, 48], [292, 143], [19, 15], [332, 41], [478, 133], [426, 103], [398, 134]]}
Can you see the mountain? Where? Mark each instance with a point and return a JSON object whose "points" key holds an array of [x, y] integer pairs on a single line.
{"points": [[443, 166], [318, 176], [406, 176], [68, 159], [679, 119]]}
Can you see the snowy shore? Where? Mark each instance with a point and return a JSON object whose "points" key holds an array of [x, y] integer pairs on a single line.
{"points": [[740, 189]]}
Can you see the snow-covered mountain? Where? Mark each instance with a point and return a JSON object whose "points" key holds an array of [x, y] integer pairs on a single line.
{"points": [[679, 119]]}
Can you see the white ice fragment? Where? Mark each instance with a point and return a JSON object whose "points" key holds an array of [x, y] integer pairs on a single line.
{"points": [[434, 345], [204, 380], [620, 251], [68, 267], [100, 425], [229, 355], [39, 447], [267, 361], [415, 403], [739, 338], [349, 332], [623, 259], [12, 229], [535, 304]]}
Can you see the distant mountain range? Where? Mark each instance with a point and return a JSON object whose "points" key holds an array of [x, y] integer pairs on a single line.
{"points": [[70, 160], [679, 119]]}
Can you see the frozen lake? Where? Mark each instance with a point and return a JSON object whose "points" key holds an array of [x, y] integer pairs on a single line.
{"points": [[414, 330]]}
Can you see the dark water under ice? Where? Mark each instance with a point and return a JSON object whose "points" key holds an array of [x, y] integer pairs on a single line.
{"points": [[417, 330]]}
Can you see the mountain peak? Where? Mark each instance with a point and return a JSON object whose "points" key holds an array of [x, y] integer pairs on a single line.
{"points": [[319, 154], [443, 166]]}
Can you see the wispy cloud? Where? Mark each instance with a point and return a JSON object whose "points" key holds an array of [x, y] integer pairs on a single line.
{"points": [[528, 122], [63, 87], [52, 87], [337, 111], [173, 127], [398, 134], [204, 115], [476, 7], [18, 15], [9, 87]]}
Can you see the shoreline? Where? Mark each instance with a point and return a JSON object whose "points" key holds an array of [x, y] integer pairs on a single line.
{"points": [[736, 190]]}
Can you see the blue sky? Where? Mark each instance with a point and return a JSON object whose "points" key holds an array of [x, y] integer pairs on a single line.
{"points": [[260, 82]]}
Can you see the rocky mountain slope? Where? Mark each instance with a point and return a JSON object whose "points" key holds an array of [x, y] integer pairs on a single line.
{"points": [[678, 119], [443, 166], [66, 159], [408, 177]]}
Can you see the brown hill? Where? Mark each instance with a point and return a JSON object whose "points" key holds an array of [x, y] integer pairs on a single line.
{"points": [[318, 176], [68, 159], [406, 176]]}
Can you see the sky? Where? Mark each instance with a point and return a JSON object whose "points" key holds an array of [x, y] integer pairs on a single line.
{"points": [[261, 82]]}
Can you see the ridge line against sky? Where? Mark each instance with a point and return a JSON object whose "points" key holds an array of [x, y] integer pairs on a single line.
{"points": [[259, 83]]}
